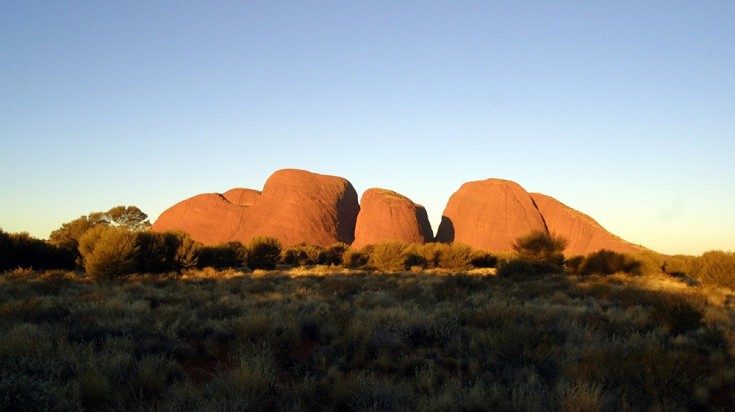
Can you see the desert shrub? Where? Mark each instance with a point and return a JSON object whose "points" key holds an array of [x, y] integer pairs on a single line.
{"points": [[413, 260], [679, 264], [355, 258], [432, 253], [456, 256], [224, 255], [162, 252], [414, 256], [607, 262], [24, 251], [518, 268], [108, 252], [157, 252], [574, 263], [388, 256], [483, 259], [302, 255], [715, 267], [333, 254], [187, 254], [263, 252], [542, 249]]}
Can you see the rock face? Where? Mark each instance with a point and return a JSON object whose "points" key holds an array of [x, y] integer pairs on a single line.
{"points": [[295, 206], [388, 216], [489, 214], [584, 234]]}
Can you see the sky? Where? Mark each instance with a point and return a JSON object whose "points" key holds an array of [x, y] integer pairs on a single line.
{"points": [[624, 110]]}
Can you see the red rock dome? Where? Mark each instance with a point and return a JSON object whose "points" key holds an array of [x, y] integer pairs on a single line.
{"points": [[295, 206], [582, 232], [388, 216], [489, 214]]}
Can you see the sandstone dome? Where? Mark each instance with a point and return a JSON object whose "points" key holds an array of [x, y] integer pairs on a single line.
{"points": [[489, 214], [584, 234], [295, 206], [389, 216]]}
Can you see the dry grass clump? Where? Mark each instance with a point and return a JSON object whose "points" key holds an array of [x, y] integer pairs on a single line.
{"points": [[326, 338]]}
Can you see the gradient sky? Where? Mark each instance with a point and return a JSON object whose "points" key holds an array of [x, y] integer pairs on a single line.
{"points": [[624, 110]]}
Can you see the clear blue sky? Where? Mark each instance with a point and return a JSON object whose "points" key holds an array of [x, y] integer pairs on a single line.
{"points": [[624, 110]]}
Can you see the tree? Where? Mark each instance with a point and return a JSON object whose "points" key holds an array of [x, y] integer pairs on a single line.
{"points": [[108, 252], [126, 217], [68, 235]]}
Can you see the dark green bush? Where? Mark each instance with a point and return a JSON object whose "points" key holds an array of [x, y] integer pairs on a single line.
{"points": [[715, 267], [388, 256], [21, 250], [224, 255], [542, 249], [302, 255], [162, 252], [482, 259], [263, 252], [411, 259], [456, 256], [355, 258], [333, 254], [607, 262], [574, 263], [518, 269], [108, 252]]}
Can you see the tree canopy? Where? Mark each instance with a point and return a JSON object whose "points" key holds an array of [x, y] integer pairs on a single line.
{"points": [[130, 218]]}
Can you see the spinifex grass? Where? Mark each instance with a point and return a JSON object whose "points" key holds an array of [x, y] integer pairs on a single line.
{"points": [[331, 339]]}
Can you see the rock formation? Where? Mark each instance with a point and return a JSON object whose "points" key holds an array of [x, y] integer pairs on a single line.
{"points": [[582, 232], [295, 206], [489, 214], [387, 216]]}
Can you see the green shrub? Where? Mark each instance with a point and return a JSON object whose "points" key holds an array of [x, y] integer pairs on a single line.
{"points": [[717, 268], [224, 255], [456, 256], [432, 253], [302, 255], [541, 249], [574, 263], [388, 256], [355, 258], [162, 252], [483, 259], [518, 268], [21, 250], [607, 262], [714, 267], [187, 254], [263, 252], [333, 254], [108, 252]]}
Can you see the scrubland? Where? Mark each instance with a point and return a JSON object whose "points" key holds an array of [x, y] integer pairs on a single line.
{"points": [[330, 338]]}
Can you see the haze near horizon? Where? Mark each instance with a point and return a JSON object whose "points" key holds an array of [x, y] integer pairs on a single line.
{"points": [[623, 111]]}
